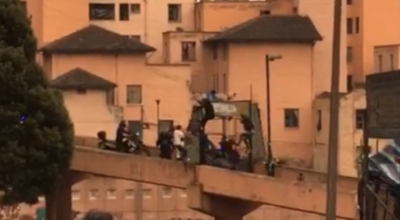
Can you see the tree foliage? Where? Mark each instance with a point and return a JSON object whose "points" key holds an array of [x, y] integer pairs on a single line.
{"points": [[34, 152]]}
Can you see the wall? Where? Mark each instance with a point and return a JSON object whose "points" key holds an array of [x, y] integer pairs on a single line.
{"points": [[349, 136], [169, 84], [386, 58], [52, 19], [376, 34], [291, 87], [321, 13], [98, 115], [173, 55], [219, 15], [151, 22]]}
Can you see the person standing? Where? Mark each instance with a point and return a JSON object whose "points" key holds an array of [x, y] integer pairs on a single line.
{"points": [[178, 140], [122, 137], [248, 128], [164, 142]]}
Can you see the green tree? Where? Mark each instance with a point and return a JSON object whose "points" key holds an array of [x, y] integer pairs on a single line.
{"points": [[34, 152]]}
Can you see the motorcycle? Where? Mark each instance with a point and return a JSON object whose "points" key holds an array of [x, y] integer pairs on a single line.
{"points": [[133, 144]]}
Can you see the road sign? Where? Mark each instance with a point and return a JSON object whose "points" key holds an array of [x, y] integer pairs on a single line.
{"points": [[383, 104], [225, 109]]}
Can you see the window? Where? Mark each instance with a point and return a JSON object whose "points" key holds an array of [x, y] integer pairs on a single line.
{"points": [[225, 82], [129, 194], [224, 52], [135, 8], [81, 91], [188, 51], [165, 125], [357, 25], [349, 2], [380, 63], [349, 55], [133, 94], [93, 194], [215, 81], [349, 83], [215, 52], [124, 12], [349, 26], [360, 118], [111, 194], [75, 195], [136, 127], [174, 12], [166, 192], [110, 97], [100, 11], [391, 61], [147, 193], [319, 120], [265, 12], [291, 118]]}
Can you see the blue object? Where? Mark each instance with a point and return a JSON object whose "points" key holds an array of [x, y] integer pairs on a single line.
{"points": [[211, 96]]}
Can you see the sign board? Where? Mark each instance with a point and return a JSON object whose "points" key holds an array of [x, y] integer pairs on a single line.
{"points": [[383, 105], [225, 109]]}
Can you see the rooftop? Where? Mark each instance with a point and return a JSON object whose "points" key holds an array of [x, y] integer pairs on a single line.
{"points": [[81, 79], [275, 28], [95, 39]]}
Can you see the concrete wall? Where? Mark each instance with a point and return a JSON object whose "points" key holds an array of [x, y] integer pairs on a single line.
{"points": [[349, 136]]}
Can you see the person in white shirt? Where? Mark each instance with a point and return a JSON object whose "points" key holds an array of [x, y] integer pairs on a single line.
{"points": [[178, 141]]}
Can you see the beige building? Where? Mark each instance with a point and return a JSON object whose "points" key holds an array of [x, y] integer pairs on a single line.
{"points": [[177, 48]]}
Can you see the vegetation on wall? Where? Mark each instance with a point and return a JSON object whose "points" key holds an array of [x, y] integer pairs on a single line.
{"points": [[36, 134]]}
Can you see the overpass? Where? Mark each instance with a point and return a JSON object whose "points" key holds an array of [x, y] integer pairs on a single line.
{"points": [[222, 193]]}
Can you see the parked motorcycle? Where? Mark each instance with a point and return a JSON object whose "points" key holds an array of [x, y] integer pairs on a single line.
{"points": [[134, 144]]}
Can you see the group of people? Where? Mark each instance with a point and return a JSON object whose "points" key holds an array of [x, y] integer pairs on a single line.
{"points": [[172, 143]]}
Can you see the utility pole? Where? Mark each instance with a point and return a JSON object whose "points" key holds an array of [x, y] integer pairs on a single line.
{"points": [[334, 115]]}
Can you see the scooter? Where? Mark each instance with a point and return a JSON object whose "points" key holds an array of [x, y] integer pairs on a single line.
{"points": [[134, 144]]}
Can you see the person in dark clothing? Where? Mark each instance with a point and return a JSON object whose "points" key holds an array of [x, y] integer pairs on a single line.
{"points": [[224, 145], [164, 142], [248, 128], [122, 137], [208, 112]]}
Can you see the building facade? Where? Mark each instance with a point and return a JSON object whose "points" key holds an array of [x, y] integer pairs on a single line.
{"points": [[365, 35], [183, 47]]}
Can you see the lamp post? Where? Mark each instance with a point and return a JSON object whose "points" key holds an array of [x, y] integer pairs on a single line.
{"points": [[158, 116], [269, 58]]}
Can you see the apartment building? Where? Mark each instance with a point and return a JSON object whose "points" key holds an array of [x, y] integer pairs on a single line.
{"points": [[189, 46], [372, 35]]}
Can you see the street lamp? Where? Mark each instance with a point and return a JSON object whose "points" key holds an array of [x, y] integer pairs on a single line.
{"points": [[158, 116], [269, 165]]}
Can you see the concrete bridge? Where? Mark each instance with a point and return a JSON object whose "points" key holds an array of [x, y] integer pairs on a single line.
{"points": [[221, 193]]}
